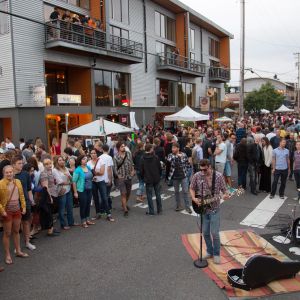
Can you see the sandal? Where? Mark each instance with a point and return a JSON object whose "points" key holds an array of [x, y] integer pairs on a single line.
{"points": [[90, 223], [22, 255], [8, 261], [84, 225], [1, 269]]}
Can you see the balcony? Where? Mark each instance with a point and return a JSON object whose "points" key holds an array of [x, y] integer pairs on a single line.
{"points": [[176, 63], [76, 38], [219, 74]]}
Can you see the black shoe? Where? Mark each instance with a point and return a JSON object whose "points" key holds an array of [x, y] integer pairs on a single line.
{"points": [[188, 209], [291, 179], [53, 234], [159, 212], [281, 197], [271, 196], [254, 193], [126, 214], [149, 214]]}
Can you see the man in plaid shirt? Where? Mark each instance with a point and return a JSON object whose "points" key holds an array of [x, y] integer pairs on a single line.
{"points": [[178, 173]]}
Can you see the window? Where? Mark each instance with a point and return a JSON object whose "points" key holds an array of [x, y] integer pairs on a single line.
{"points": [[119, 10], [214, 48], [165, 91], [192, 38], [165, 27], [192, 56], [186, 94], [119, 32], [215, 99], [112, 89], [4, 20], [162, 48]]}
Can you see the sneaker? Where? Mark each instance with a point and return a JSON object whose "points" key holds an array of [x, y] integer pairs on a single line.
{"points": [[207, 256], [281, 197], [110, 219], [149, 214], [271, 197], [30, 247], [217, 260], [178, 208], [188, 209]]}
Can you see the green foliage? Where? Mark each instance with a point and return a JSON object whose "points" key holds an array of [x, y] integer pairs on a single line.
{"points": [[266, 97]]}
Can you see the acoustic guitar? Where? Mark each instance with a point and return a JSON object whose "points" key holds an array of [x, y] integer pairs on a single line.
{"points": [[207, 201]]}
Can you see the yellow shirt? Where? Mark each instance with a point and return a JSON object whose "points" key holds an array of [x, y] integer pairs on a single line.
{"points": [[282, 133], [4, 194]]}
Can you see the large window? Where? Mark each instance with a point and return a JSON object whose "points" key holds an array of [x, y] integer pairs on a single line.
{"points": [[165, 27], [186, 94], [214, 48], [119, 32], [119, 10], [165, 91], [192, 38], [112, 88], [85, 4], [163, 48], [215, 98], [4, 23]]}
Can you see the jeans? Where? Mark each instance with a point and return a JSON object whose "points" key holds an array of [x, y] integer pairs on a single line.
{"points": [[65, 202], [85, 199], [108, 189], [253, 177], [283, 174], [189, 174], [297, 178], [291, 167], [101, 185], [141, 188], [242, 175], [157, 190], [95, 193], [211, 232], [185, 189]]}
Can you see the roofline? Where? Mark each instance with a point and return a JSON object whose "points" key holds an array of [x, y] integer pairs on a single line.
{"points": [[267, 79], [202, 18]]}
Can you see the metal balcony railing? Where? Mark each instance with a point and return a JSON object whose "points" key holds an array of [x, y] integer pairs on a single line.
{"points": [[180, 62], [219, 74], [78, 34]]}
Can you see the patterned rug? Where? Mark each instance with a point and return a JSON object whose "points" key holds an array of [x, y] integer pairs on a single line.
{"points": [[236, 248]]}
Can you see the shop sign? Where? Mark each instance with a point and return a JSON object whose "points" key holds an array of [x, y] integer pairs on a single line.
{"points": [[123, 119], [204, 103], [39, 94], [68, 99]]}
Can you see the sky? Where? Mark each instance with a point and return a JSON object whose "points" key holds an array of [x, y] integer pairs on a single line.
{"points": [[271, 39]]}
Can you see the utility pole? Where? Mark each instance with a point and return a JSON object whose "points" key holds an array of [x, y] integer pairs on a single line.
{"points": [[298, 85], [242, 58]]}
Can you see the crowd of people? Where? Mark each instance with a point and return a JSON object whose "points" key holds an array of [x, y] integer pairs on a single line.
{"points": [[39, 186]]}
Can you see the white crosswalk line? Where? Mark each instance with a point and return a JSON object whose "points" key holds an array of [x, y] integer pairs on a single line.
{"points": [[171, 189], [263, 212]]}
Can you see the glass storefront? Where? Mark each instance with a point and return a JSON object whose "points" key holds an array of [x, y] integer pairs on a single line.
{"points": [[215, 99], [112, 88]]}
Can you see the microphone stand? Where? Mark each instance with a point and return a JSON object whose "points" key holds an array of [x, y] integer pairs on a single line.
{"points": [[200, 262]]}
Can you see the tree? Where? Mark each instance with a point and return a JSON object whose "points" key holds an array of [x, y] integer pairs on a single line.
{"points": [[266, 97]]}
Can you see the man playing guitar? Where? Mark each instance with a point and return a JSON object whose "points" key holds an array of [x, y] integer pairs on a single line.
{"points": [[209, 185]]}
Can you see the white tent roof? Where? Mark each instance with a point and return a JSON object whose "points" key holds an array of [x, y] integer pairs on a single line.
{"points": [[283, 108], [93, 129], [264, 111], [229, 110], [187, 114], [224, 119]]}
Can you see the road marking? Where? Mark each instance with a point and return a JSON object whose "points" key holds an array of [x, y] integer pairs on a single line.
{"points": [[172, 189], [263, 212]]}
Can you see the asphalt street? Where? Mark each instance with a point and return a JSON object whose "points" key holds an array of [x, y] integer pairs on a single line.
{"points": [[140, 257]]}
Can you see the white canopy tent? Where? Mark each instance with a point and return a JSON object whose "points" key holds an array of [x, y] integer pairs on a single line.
{"points": [[229, 110], [283, 108], [187, 114], [264, 111], [224, 119], [93, 129]]}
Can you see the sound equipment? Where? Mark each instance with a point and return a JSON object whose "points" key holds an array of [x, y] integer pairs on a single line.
{"points": [[296, 231], [260, 270]]}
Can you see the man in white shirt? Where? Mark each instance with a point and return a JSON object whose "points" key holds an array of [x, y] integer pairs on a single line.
{"points": [[103, 178], [220, 154], [9, 144], [270, 135]]}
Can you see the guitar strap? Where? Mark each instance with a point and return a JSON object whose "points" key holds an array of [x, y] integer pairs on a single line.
{"points": [[213, 184]]}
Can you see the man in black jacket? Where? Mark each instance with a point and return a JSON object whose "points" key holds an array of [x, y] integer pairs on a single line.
{"points": [[150, 170]]}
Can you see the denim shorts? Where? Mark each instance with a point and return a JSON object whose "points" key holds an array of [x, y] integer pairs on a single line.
{"points": [[227, 169]]}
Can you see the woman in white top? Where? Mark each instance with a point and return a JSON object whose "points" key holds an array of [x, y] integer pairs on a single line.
{"points": [[65, 199], [265, 171]]}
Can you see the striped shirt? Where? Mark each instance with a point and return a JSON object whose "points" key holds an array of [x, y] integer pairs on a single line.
{"points": [[297, 160]]}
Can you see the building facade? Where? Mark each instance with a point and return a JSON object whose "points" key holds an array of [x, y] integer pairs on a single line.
{"points": [[105, 58]]}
